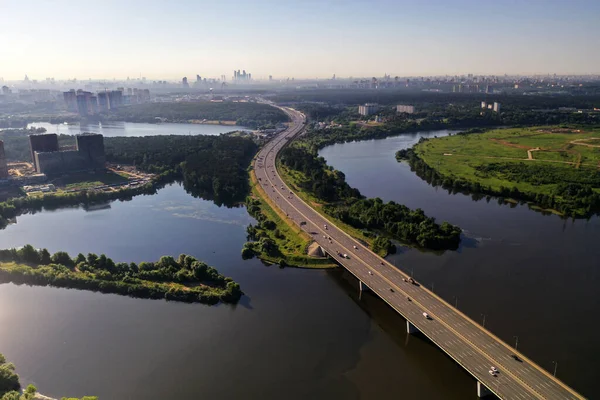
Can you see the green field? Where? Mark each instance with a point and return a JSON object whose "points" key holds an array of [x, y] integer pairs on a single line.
{"points": [[88, 180], [534, 161]]}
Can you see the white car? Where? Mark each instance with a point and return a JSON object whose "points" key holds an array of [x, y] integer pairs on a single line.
{"points": [[346, 256], [426, 315], [492, 373], [356, 248], [370, 273], [492, 368]]}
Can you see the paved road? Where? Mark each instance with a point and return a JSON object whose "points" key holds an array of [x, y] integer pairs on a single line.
{"points": [[465, 341]]}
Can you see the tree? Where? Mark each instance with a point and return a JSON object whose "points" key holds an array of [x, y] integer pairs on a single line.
{"points": [[9, 380], [62, 258], [29, 255], [45, 257]]}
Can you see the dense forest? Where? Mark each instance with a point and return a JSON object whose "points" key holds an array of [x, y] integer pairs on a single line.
{"points": [[211, 167], [183, 279], [573, 196], [252, 115], [348, 205]]}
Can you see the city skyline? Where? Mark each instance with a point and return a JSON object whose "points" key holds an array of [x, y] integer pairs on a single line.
{"points": [[304, 40]]}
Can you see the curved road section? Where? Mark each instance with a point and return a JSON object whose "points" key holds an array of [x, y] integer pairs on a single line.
{"points": [[466, 342]]}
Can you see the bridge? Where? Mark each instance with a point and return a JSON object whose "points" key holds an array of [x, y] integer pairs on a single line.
{"points": [[476, 349]]}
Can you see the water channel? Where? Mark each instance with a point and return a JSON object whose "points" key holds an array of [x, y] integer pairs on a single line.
{"points": [[117, 128], [534, 278], [297, 333]]}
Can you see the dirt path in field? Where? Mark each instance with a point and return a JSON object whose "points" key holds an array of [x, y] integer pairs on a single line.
{"points": [[580, 142]]}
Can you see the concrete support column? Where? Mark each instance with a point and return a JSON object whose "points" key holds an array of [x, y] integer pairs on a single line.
{"points": [[362, 287], [482, 391], [410, 328]]}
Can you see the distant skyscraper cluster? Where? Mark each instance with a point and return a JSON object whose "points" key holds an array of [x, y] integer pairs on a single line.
{"points": [[241, 76], [87, 103]]}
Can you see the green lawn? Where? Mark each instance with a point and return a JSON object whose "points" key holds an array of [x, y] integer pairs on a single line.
{"points": [[86, 180], [460, 156]]}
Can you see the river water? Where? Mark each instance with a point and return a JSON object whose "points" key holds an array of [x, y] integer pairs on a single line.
{"points": [[116, 128], [299, 334], [296, 334], [534, 277]]}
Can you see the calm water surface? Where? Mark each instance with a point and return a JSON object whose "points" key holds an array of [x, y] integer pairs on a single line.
{"points": [[297, 334], [532, 276], [115, 128]]}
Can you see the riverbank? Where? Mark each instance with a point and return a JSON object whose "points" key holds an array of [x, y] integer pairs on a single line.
{"points": [[552, 169], [275, 239], [185, 279], [14, 207], [368, 220]]}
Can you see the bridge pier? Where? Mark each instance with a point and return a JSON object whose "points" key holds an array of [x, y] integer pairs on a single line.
{"points": [[362, 287], [482, 391], [410, 328]]}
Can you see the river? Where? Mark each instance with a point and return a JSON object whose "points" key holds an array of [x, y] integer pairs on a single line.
{"points": [[532, 276], [116, 128], [296, 334]]}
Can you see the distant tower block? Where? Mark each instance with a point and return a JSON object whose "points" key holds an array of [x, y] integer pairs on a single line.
{"points": [[42, 144], [3, 166]]}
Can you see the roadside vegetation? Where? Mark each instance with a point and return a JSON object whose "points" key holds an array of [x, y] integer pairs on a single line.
{"points": [[370, 220], [183, 279], [553, 168], [274, 238], [10, 387], [250, 114]]}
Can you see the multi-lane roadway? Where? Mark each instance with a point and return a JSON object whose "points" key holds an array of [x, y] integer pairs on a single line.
{"points": [[474, 348]]}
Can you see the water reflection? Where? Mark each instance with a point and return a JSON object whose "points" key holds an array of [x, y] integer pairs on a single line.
{"points": [[533, 275]]}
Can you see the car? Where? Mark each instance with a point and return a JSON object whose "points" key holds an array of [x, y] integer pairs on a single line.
{"points": [[356, 248], [494, 369], [370, 273], [408, 298], [492, 373], [382, 263], [346, 256], [426, 315], [391, 290], [515, 357]]}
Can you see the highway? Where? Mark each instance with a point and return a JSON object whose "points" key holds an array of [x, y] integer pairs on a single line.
{"points": [[465, 341]]}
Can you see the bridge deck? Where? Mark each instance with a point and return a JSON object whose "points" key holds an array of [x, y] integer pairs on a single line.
{"points": [[465, 341]]}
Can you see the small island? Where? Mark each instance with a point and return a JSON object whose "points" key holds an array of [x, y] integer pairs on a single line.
{"points": [[184, 279]]}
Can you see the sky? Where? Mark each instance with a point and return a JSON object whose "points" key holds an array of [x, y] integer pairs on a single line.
{"points": [[301, 39]]}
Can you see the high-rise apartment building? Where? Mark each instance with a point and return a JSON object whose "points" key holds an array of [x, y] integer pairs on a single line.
{"points": [[3, 165], [402, 108], [368, 109]]}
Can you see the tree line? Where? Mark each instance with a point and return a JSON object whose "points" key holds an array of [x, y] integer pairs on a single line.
{"points": [[183, 279], [248, 114], [348, 205]]}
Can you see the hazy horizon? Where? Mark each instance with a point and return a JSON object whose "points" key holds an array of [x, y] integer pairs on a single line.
{"points": [[303, 40]]}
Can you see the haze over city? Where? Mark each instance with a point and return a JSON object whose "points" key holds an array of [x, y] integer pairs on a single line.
{"points": [[308, 39]]}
